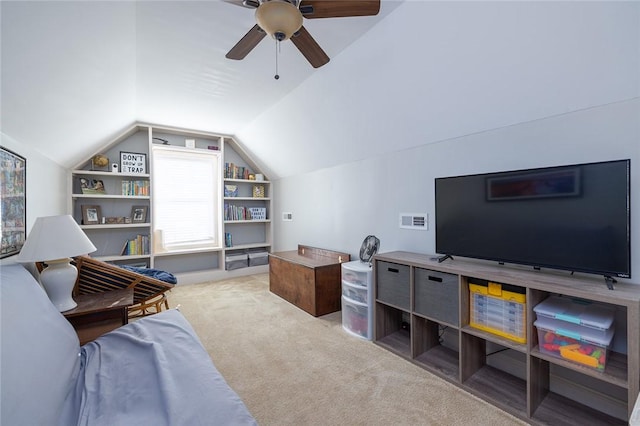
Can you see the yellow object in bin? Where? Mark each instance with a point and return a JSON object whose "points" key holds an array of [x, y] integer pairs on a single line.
{"points": [[571, 352], [494, 289], [498, 311]]}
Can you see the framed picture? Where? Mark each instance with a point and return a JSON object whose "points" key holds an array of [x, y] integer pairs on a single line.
{"points": [[92, 186], [13, 183], [91, 215], [139, 214], [133, 162]]}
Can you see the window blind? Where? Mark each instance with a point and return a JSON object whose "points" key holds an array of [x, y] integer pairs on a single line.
{"points": [[185, 210]]}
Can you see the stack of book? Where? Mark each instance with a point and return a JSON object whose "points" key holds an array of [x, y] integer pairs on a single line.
{"points": [[135, 187], [139, 245], [231, 171], [232, 212]]}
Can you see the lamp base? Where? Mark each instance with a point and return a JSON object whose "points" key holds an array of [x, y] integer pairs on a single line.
{"points": [[58, 280]]}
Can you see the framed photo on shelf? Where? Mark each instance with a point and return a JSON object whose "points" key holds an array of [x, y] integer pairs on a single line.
{"points": [[258, 191], [92, 186], [139, 214], [91, 215], [133, 162], [14, 202]]}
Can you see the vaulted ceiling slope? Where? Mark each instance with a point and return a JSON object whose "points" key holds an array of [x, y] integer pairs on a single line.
{"points": [[434, 71], [76, 73]]}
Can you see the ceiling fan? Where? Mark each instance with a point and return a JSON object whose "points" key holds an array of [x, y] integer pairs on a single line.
{"points": [[282, 20]]}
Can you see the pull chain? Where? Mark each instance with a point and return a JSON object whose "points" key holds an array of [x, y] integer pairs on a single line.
{"points": [[277, 52]]}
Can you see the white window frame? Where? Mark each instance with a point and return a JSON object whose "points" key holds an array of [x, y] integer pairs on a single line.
{"points": [[178, 175]]}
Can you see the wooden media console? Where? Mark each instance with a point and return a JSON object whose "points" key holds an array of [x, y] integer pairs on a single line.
{"points": [[423, 312]]}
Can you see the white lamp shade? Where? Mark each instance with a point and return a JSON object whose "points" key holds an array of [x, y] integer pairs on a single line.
{"points": [[55, 237]]}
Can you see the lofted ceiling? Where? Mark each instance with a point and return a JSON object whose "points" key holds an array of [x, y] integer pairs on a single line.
{"points": [[74, 74], [77, 73]]}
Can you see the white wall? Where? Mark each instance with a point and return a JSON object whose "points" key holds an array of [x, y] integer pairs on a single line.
{"points": [[337, 207], [46, 184], [433, 71], [68, 74]]}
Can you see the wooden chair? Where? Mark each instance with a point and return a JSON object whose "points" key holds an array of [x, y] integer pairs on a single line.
{"points": [[95, 276]]}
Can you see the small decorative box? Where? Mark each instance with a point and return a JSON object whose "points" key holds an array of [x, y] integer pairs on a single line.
{"points": [[230, 190], [258, 191]]}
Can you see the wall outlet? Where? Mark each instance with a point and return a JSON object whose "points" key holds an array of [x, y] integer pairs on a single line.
{"points": [[287, 217], [190, 143]]}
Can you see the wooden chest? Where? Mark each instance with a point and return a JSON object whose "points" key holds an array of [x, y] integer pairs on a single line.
{"points": [[309, 278]]}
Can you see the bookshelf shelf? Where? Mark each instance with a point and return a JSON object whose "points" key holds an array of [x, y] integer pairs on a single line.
{"points": [[104, 173], [120, 258], [247, 221], [248, 246], [247, 198], [112, 197], [116, 226], [247, 181]]}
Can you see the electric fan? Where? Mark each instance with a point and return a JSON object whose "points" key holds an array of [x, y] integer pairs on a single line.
{"points": [[369, 248]]}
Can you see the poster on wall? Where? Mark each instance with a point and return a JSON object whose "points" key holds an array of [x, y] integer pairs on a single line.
{"points": [[13, 184]]}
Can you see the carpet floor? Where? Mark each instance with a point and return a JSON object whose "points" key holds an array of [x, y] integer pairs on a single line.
{"points": [[290, 368]]}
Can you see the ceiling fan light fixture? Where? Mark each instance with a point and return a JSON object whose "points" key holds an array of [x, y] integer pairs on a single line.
{"points": [[279, 18]]}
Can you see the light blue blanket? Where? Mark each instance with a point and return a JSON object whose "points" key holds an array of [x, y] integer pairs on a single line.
{"points": [[153, 371]]}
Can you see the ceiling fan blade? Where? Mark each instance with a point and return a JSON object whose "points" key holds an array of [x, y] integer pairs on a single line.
{"points": [[246, 43], [338, 8], [250, 4], [309, 48]]}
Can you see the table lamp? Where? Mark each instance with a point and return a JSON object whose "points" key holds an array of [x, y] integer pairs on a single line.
{"points": [[54, 240]]}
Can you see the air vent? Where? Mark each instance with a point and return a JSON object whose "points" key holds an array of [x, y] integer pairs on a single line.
{"points": [[414, 221]]}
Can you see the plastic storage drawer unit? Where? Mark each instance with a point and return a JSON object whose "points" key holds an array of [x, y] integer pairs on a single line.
{"points": [[392, 284], [436, 295], [498, 309], [355, 292], [356, 318], [575, 330], [356, 273], [357, 299]]}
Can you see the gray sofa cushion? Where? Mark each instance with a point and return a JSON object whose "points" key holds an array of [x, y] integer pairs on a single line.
{"points": [[39, 352]]}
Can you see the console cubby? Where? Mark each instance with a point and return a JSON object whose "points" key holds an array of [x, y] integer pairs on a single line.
{"points": [[430, 350], [423, 313], [389, 330]]}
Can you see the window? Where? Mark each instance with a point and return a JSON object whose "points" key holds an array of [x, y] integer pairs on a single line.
{"points": [[186, 214]]}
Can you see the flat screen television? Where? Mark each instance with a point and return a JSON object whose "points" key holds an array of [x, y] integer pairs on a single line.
{"points": [[575, 217]]}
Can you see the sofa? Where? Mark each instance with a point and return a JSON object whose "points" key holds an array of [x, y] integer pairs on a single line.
{"points": [[153, 370]]}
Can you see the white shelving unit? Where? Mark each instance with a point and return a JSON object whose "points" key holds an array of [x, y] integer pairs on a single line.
{"points": [[188, 265]]}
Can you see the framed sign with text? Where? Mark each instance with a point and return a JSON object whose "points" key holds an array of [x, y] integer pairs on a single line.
{"points": [[133, 162]]}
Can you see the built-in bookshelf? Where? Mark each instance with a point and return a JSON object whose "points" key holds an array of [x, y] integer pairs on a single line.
{"points": [[114, 208]]}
